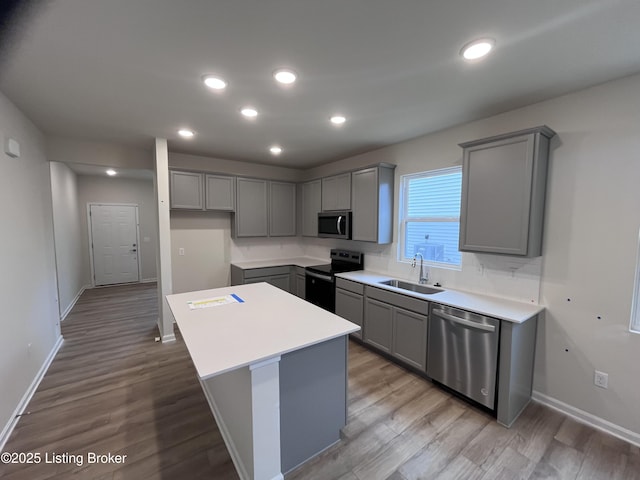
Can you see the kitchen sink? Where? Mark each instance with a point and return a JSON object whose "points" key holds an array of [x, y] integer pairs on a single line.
{"points": [[412, 287]]}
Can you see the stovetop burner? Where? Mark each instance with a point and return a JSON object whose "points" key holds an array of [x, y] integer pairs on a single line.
{"points": [[341, 261]]}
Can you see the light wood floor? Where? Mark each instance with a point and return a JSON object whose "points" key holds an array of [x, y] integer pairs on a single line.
{"points": [[112, 389]]}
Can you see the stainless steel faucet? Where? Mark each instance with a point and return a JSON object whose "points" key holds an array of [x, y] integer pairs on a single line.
{"points": [[424, 277]]}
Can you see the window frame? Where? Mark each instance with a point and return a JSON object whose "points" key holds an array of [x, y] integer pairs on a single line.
{"points": [[404, 218]]}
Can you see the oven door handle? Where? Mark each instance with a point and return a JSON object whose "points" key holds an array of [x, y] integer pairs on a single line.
{"points": [[326, 278]]}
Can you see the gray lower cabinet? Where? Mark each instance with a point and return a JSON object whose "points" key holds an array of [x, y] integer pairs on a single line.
{"points": [[503, 193], [410, 338], [350, 302], [372, 204], [336, 192], [397, 324], [283, 281], [252, 208], [378, 328], [186, 190], [311, 204], [220, 192], [277, 276], [300, 282], [282, 209]]}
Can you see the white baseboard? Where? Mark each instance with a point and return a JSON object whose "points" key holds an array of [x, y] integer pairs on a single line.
{"points": [[148, 280], [169, 337], [26, 398], [587, 418], [73, 302]]}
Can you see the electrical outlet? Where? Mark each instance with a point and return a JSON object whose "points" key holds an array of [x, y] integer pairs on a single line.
{"points": [[601, 379], [181, 251]]}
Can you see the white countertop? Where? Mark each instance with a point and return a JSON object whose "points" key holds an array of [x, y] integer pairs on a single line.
{"points": [[270, 322], [503, 309], [297, 261]]}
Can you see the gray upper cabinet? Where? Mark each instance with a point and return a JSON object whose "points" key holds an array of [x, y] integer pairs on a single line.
{"points": [[372, 204], [186, 190], [264, 208], [282, 209], [252, 208], [311, 206], [336, 192], [503, 192], [220, 192]]}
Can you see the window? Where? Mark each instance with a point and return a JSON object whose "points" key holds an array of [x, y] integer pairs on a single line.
{"points": [[430, 216]]}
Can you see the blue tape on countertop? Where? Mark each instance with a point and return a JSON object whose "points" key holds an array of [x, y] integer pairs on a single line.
{"points": [[237, 298]]}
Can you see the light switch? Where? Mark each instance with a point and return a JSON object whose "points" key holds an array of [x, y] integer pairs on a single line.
{"points": [[12, 147], [181, 251]]}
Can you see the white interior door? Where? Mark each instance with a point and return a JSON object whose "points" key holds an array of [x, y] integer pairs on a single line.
{"points": [[114, 233]]}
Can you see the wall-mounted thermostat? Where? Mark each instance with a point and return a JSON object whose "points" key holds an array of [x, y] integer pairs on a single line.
{"points": [[12, 147]]}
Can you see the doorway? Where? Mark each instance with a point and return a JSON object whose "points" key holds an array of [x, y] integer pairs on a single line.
{"points": [[114, 243]]}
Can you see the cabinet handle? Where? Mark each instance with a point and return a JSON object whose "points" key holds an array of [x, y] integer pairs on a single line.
{"points": [[462, 321]]}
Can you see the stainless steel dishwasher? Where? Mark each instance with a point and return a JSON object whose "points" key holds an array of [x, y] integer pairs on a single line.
{"points": [[462, 352]]}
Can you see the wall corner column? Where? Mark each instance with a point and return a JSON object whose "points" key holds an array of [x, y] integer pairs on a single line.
{"points": [[163, 256]]}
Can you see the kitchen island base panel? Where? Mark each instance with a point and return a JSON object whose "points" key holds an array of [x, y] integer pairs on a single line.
{"points": [[246, 406], [300, 398], [313, 399]]}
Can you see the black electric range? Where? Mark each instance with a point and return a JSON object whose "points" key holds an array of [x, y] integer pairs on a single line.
{"points": [[320, 286]]}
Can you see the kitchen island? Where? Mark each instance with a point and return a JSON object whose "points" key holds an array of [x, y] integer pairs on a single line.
{"points": [[274, 370]]}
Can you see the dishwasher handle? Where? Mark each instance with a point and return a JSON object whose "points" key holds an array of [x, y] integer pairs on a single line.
{"points": [[464, 322]]}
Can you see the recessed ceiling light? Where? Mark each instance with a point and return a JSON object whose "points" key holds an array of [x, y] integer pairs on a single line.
{"points": [[213, 82], [338, 119], [111, 172], [285, 76], [249, 112], [186, 133], [477, 49], [275, 150]]}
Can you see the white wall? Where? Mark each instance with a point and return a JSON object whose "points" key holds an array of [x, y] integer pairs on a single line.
{"points": [[95, 189], [205, 238], [590, 242], [69, 150], [71, 265], [232, 167], [28, 295]]}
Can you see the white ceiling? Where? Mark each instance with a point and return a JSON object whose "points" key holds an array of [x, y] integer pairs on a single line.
{"points": [[95, 170], [128, 71]]}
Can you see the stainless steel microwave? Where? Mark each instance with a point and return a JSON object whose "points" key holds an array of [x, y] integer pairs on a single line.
{"points": [[334, 225]]}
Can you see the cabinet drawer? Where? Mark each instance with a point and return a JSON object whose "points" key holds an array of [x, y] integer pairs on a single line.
{"points": [[350, 286], [398, 300], [267, 271]]}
